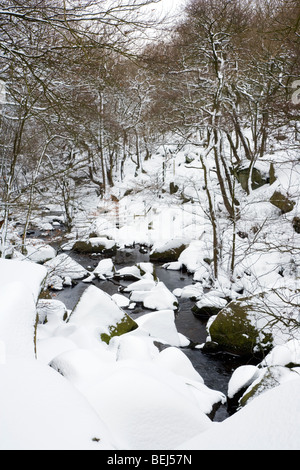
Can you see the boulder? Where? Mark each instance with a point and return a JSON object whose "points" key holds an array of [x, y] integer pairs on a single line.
{"points": [[100, 316], [95, 245], [168, 252], [296, 224], [282, 202], [269, 378], [63, 270], [39, 251], [209, 306], [105, 269], [237, 329], [258, 179]]}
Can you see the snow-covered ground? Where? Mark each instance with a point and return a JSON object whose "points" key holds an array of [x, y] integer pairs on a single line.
{"points": [[126, 394]]}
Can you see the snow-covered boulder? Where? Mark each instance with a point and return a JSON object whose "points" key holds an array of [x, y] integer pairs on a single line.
{"points": [[145, 285], [95, 245], [40, 410], [254, 325], [209, 305], [29, 274], [269, 422], [104, 269], [39, 251], [168, 252], [62, 268], [144, 407], [268, 378], [280, 365], [99, 315], [160, 298], [160, 326], [137, 272], [20, 285], [192, 258], [287, 354]]}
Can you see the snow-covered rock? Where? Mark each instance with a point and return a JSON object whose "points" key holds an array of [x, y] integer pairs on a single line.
{"points": [[20, 285], [104, 269], [269, 422], [29, 274], [40, 410], [63, 267], [39, 251], [160, 298], [161, 326], [99, 315], [143, 406]]}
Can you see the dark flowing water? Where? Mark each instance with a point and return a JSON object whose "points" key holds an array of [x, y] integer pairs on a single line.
{"points": [[216, 370]]}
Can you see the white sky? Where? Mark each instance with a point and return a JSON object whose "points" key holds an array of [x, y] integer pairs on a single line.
{"points": [[170, 5]]}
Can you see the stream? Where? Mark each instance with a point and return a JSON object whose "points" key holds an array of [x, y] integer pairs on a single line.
{"points": [[216, 370]]}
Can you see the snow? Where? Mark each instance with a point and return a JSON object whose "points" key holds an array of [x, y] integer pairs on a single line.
{"points": [[211, 300], [29, 274], [40, 410], [39, 252], [161, 326], [142, 285], [284, 354], [61, 269], [269, 422], [105, 269], [144, 407], [20, 284], [160, 298], [77, 392], [241, 378], [95, 313]]}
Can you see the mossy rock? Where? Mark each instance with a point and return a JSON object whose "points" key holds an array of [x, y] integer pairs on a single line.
{"points": [[126, 325], [234, 332], [270, 379], [282, 202], [258, 180], [87, 247], [168, 255]]}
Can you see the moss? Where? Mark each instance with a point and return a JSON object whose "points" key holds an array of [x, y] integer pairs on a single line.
{"points": [[234, 332], [268, 381], [124, 326]]}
